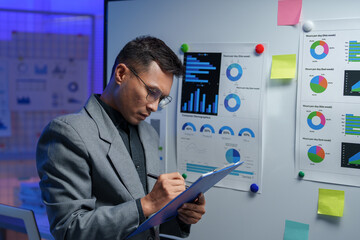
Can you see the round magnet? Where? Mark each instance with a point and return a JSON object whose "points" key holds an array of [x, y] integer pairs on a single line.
{"points": [[259, 48], [308, 26], [254, 188], [301, 174], [185, 47]]}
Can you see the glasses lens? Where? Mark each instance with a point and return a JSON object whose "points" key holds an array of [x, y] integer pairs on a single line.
{"points": [[154, 94], [165, 101]]}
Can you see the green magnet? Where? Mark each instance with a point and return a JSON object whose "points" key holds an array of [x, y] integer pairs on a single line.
{"points": [[301, 174], [185, 47]]}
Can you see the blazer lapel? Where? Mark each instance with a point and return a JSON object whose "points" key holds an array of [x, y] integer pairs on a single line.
{"points": [[124, 165], [150, 141], [117, 154]]}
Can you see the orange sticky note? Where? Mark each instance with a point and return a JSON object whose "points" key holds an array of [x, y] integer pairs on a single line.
{"points": [[331, 202]]}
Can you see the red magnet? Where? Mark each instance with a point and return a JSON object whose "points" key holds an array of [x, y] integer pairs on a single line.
{"points": [[259, 48]]}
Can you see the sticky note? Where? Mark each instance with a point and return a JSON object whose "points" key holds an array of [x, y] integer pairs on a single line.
{"points": [[331, 202], [289, 12], [296, 231], [283, 66]]}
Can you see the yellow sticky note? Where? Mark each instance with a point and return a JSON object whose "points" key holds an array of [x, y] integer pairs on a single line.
{"points": [[331, 202], [283, 66]]}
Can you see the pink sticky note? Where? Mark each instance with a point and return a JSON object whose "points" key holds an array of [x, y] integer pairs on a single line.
{"points": [[289, 12]]}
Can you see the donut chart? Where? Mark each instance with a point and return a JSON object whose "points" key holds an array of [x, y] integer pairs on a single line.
{"points": [[226, 130], [316, 55], [207, 128], [247, 132], [316, 154], [318, 84], [311, 117], [230, 75], [237, 102], [189, 127]]}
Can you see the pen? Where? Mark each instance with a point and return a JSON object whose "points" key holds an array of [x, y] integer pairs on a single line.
{"points": [[156, 176], [152, 176]]}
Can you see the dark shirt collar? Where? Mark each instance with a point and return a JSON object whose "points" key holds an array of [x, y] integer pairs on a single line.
{"points": [[115, 116]]}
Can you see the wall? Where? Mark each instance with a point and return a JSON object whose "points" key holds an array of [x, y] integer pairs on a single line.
{"points": [[234, 214]]}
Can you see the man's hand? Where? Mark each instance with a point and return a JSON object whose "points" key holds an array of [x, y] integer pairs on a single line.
{"points": [[166, 188], [191, 213]]}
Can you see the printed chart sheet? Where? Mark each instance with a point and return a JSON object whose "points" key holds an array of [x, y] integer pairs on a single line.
{"points": [[220, 112], [328, 109]]}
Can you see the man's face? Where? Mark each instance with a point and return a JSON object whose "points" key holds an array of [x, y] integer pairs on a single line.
{"points": [[131, 95]]}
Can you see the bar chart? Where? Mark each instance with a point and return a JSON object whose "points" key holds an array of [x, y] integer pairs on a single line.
{"points": [[198, 168], [352, 125], [201, 83], [354, 51]]}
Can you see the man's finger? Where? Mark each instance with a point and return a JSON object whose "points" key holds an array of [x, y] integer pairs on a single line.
{"points": [[201, 199]]}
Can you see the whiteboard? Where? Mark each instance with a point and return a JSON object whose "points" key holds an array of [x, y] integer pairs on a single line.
{"points": [[236, 214]]}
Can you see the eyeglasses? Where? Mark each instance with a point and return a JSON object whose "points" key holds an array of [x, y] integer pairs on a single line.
{"points": [[154, 94]]}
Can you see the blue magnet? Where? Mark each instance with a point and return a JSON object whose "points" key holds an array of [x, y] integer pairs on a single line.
{"points": [[254, 188]]}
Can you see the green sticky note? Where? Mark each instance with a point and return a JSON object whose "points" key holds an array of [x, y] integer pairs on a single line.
{"points": [[331, 202], [296, 231], [283, 66]]}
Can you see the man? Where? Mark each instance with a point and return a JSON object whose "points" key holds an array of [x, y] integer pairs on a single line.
{"points": [[93, 165]]}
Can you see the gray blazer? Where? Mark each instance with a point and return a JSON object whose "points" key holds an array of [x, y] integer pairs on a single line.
{"points": [[88, 180]]}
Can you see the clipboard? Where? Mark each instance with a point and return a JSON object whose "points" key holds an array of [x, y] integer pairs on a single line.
{"points": [[201, 185]]}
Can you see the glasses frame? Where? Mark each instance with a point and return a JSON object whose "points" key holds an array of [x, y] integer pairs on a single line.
{"points": [[163, 101]]}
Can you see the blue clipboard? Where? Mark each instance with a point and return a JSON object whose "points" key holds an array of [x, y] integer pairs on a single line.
{"points": [[201, 185]]}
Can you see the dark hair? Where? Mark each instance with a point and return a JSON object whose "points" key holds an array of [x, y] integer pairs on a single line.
{"points": [[141, 51]]}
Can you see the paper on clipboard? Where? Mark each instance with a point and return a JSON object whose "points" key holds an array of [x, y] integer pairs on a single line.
{"points": [[201, 185]]}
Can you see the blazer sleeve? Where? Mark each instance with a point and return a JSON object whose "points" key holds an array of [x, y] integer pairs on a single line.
{"points": [[65, 180]]}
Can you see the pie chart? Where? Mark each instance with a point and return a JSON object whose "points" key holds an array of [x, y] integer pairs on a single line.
{"points": [[316, 154], [318, 84], [232, 155]]}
